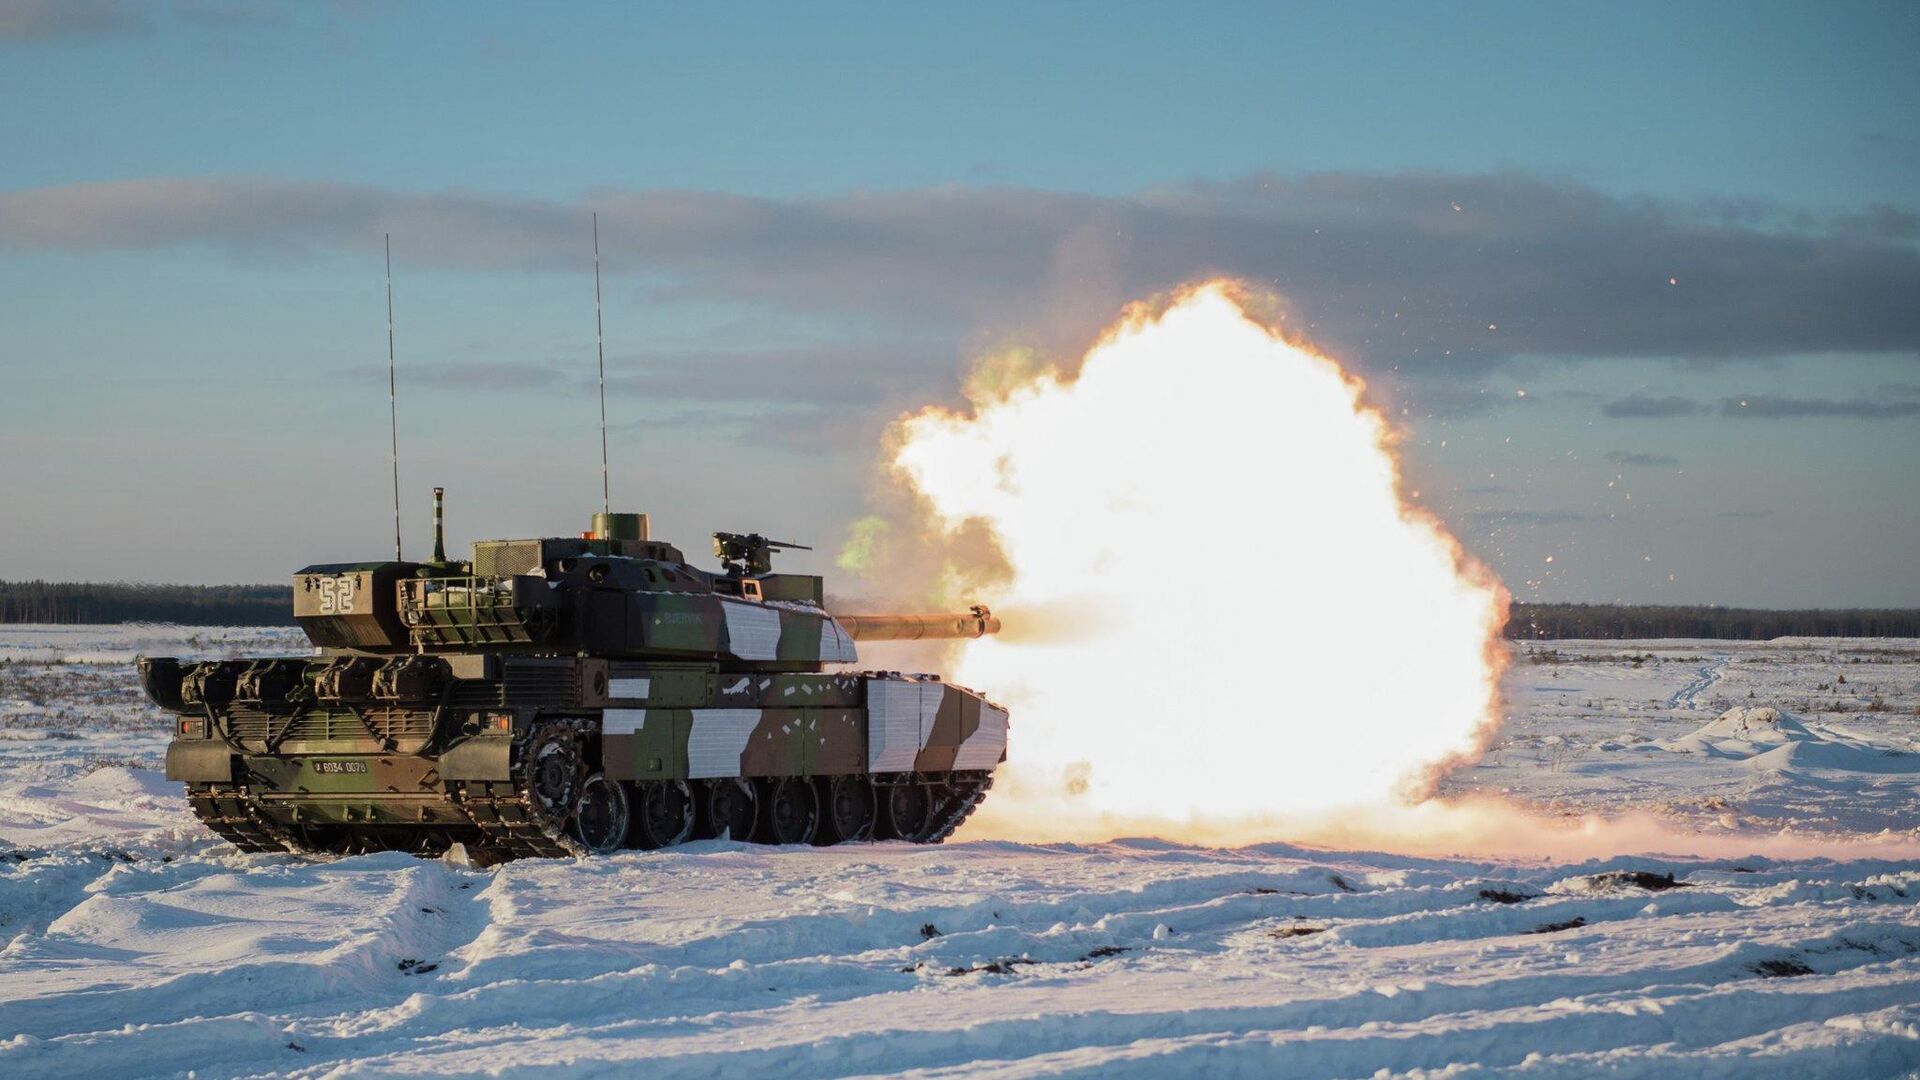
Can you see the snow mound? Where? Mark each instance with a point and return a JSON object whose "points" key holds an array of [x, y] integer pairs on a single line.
{"points": [[1770, 741], [1756, 723], [1741, 733]]}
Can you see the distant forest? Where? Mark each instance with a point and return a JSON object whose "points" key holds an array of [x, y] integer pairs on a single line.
{"points": [[186, 605], [272, 605], [1737, 624]]}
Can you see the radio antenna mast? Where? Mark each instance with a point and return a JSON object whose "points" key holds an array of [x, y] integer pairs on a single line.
{"points": [[393, 404], [600, 344]]}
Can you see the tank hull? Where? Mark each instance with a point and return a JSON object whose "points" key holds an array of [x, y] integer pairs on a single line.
{"points": [[565, 756]]}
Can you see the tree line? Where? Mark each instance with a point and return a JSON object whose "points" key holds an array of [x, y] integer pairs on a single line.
{"points": [[1703, 621], [186, 605]]}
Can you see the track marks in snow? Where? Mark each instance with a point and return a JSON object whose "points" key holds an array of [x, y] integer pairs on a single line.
{"points": [[1111, 959], [1687, 697]]}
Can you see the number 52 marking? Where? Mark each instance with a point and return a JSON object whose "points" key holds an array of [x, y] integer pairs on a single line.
{"points": [[336, 595]]}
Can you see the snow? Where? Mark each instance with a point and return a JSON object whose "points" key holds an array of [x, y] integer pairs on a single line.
{"points": [[137, 945], [1802, 735]]}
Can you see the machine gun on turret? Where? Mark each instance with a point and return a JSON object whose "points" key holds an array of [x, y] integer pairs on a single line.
{"points": [[749, 553]]}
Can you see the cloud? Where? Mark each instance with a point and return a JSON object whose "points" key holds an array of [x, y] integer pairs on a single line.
{"points": [[231, 14], [813, 397], [853, 375], [1746, 515], [1646, 407], [1380, 268], [496, 375], [1629, 457], [795, 426], [1527, 517], [52, 20], [1880, 221], [1769, 407], [1434, 394]]}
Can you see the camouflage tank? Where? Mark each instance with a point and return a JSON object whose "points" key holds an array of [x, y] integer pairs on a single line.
{"points": [[566, 696]]}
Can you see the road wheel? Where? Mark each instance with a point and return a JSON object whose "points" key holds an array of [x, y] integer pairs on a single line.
{"points": [[602, 815], [324, 839], [793, 811], [665, 815], [847, 810], [904, 811], [732, 808]]}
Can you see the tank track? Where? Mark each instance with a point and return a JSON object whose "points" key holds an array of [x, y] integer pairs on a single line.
{"points": [[508, 826], [958, 806], [506, 814], [229, 811]]}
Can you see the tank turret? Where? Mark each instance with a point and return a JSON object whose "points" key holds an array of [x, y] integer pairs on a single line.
{"points": [[611, 592]]}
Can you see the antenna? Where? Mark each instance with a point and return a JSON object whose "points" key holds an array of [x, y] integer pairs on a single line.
{"points": [[393, 404], [600, 343]]}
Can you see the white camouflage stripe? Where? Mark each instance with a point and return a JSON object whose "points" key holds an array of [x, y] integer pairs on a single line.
{"points": [[899, 720], [983, 748], [623, 721], [717, 739], [835, 646], [753, 630]]}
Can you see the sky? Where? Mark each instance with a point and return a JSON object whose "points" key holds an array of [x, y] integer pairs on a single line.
{"points": [[1639, 284]]}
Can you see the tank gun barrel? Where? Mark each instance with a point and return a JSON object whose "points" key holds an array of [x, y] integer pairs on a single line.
{"points": [[977, 622]]}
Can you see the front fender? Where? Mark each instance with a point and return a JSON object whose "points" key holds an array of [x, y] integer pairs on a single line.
{"points": [[479, 757], [200, 761]]}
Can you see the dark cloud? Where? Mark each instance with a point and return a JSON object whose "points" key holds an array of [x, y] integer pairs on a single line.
{"points": [[1629, 457], [1883, 222], [1770, 407], [52, 20], [1648, 407], [1383, 269]]}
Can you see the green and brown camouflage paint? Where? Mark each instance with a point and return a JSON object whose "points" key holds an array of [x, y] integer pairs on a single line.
{"points": [[428, 677]]}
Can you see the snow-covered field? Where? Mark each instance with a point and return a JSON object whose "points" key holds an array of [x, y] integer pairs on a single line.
{"points": [[137, 945]]}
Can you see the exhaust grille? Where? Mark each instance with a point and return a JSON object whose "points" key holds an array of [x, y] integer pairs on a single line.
{"points": [[262, 731], [532, 681]]}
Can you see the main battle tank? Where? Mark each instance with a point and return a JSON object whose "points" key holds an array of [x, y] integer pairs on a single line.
{"points": [[566, 696]]}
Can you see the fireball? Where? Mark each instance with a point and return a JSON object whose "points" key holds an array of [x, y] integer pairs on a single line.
{"points": [[1221, 611]]}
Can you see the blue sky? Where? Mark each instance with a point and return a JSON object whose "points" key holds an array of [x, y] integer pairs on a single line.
{"points": [[814, 216]]}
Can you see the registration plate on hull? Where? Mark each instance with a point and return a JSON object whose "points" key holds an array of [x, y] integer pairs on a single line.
{"points": [[339, 766]]}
